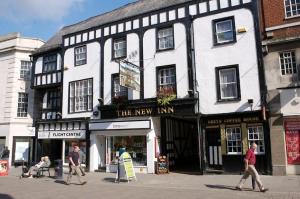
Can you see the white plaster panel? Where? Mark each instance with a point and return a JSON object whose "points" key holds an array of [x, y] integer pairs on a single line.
{"points": [[153, 19], [246, 1], [39, 65], [136, 24], [181, 13], [72, 40], [120, 27], [192, 9], [177, 57], [290, 101], [128, 25], [145, 21], [59, 62], [78, 38], [66, 42], [224, 3], [163, 17], [106, 31], [113, 29], [98, 33], [172, 15], [208, 57], [213, 5], [89, 70], [84, 36], [203, 7], [235, 2], [91, 35]]}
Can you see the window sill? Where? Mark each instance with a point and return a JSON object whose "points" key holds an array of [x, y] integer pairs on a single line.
{"points": [[293, 17], [224, 43], [81, 112], [80, 64], [164, 50], [118, 58], [234, 153], [229, 100]]}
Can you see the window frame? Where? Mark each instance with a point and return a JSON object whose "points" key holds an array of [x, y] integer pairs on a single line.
{"points": [[218, 86], [113, 76], [256, 140], [84, 61], [49, 55], [291, 10], [74, 102], [157, 38], [22, 105], [158, 69], [240, 140], [215, 37], [113, 48], [290, 59], [24, 71]]}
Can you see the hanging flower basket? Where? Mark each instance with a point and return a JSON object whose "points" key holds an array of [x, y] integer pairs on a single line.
{"points": [[165, 95]]}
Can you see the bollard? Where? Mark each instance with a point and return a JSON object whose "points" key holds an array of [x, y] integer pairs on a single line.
{"points": [[58, 169]]}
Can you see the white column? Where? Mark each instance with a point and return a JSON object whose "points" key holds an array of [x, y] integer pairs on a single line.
{"points": [[94, 153]]}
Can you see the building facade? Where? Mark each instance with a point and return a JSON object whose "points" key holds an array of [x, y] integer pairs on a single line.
{"points": [[158, 77], [16, 131], [281, 33]]}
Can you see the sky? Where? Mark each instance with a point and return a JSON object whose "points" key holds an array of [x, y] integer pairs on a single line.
{"points": [[43, 18]]}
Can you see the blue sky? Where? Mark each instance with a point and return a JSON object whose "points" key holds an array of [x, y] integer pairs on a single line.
{"points": [[42, 18]]}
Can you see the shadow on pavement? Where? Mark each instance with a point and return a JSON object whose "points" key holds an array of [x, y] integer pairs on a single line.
{"points": [[60, 182], [113, 180], [5, 196], [225, 187]]}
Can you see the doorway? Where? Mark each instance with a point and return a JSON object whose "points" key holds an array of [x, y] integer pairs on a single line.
{"points": [[51, 148], [213, 149]]}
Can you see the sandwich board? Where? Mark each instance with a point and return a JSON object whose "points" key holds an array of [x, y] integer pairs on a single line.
{"points": [[125, 168]]}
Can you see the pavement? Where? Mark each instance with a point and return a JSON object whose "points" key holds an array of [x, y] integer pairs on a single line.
{"points": [[167, 186]]}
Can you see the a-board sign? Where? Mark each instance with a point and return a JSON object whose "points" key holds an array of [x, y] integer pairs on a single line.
{"points": [[162, 165], [125, 168]]}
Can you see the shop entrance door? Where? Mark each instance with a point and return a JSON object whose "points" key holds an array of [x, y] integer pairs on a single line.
{"points": [[51, 148], [213, 148]]}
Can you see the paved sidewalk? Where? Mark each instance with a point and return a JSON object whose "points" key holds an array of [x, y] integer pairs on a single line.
{"points": [[170, 186]]}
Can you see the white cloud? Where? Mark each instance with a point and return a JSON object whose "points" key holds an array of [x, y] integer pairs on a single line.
{"points": [[46, 10]]}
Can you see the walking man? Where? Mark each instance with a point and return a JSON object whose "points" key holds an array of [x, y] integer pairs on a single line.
{"points": [[250, 161], [74, 164]]}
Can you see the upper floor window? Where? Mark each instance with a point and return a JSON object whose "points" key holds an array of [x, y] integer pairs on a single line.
{"points": [[165, 39], [22, 105], [54, 98], [119, 49], [166, 81], [288, 64], [118, 92], [25, 70], [228, 86], [81, 96], [292, 8], [80, 55], [234, 141], [224, 31], [50, 63], [256, 134]]}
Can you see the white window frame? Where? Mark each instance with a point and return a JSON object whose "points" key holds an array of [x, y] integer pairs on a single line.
{"points": [[288, 63], [22, 105], [225, 84], [230, 138], [291, 6], [25, 69], [80, 54], [167, 77], [165, 38], [81, 96], [257, 137], [222, 32], [120, 48]]}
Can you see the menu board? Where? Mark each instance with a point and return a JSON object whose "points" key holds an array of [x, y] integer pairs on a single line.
{"points": [[162, 165], [292, 138]]}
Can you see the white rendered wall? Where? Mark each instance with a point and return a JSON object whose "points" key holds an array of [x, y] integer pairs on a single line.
{"points": [[177, 57], [290, 101], [74, 73], [208, 57], [112, 67]]}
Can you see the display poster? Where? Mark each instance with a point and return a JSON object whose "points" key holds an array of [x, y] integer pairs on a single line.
{"points": [[3, 167], [292, 138], [22, 151], [130, 75], [162, 165]]}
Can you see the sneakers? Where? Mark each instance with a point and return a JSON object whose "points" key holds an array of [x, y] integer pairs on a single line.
{"points": [[264, 190], [238, 188]]}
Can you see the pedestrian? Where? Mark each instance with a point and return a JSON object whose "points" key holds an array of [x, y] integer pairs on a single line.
{"points": [[74, 164], [81, 161], [250, 161], [5, 153]]}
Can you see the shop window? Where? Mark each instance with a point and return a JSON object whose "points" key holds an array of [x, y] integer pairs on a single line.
{"points": [[50, 63], [22, 149], [224, 31], [25, 70], [256, 135], [69, 144], [165, 39], [80, 55], [288, 65], [81, 96], [292, 8], [135, 145], [2, 144], [119, 48], [166, 81], [234, 143], [119, 93], [22, 105], [228, 84]]}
